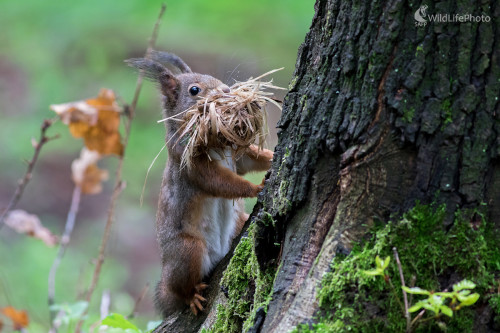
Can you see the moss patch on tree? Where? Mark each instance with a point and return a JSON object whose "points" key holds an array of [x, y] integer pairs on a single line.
{"points": [[353, 301], [247, 288]]}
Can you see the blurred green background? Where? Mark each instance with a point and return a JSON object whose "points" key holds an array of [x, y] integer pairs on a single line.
{"points": [[59, 51]]}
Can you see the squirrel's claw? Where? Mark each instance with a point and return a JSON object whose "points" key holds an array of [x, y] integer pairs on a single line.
{"points": [[200, 287], [193, 308], [195, 303]]}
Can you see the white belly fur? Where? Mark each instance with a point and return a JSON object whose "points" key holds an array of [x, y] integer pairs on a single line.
{"points": [[219, 219]]}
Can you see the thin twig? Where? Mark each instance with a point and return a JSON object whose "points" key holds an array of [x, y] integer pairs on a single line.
{"points": [[429, 318], [119, 184], [405, 296], [139, 300], [412, 284], [68, 229], [393, 289], [151, 45], [415, 320], [105, 303], [31, 164]]}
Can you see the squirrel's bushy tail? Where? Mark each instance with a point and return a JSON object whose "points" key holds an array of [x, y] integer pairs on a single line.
{"points": [[166, 302]]}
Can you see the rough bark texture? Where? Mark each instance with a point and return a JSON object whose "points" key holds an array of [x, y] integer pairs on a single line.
{"points": [[380, 113]]}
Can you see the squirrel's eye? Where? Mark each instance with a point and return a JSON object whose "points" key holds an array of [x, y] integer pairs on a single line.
{"points": [[194, 90]]}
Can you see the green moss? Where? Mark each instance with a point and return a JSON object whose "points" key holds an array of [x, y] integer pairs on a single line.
{"points": [[268, 220], [248, 289], [352, 301], [408, 115], [446, 111], [292, 83], [420, 48], [287, 154], [494, 302], [281, 203]]}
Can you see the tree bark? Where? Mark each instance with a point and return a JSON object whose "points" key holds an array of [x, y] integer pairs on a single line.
{"points": [[380, 113]]}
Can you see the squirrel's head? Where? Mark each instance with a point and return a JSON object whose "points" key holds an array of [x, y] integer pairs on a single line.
{"points": [[178, 84]]}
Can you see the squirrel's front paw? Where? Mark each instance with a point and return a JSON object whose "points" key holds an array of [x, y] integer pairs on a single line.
{"points": [[258, 188]]}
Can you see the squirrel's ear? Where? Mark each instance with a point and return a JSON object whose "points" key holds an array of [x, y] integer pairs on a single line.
{"points": [[156, 72], [170, 59]]}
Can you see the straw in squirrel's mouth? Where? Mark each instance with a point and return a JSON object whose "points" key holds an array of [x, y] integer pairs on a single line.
{"points": [[236, 119]]}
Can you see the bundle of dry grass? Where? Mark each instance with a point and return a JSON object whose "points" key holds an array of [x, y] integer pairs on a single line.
{"points": [[236, 119]]}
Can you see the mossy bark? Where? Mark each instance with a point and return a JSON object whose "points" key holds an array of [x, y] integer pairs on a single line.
{"points": [[380, 113]]}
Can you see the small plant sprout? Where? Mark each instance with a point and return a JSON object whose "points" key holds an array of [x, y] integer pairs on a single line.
{"points": [[381, 264], [439, 303], [116, 320], [460, 296], [117, 323]]}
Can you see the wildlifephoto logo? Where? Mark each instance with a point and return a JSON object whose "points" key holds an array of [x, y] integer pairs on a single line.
{"points": [[421, 17]]}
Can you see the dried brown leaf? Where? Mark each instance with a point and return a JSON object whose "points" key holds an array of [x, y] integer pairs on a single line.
{"points": [[96, 120], [25, 223], [19, 318], [86, 174]]}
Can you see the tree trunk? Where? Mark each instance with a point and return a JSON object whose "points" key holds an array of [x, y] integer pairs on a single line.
{"points": [[380, 113]]}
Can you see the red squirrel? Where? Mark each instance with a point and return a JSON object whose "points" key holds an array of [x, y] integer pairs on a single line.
{"points": [[200, 209]]}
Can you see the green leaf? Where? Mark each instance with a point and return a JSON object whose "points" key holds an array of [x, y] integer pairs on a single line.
{"points": [[431, 307], [445, 294], [379, 262], [446, 310], [77, 309], [386, 262], [433, 303], [118, 321], [468, 300], [66, 313], [374, 272], [436, 300], [416, 290], [464, 284], [464, 292], [56, 307], [417, 306]]}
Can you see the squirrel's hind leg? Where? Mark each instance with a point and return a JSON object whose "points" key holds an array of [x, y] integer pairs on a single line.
{"points": [[180, 283]]}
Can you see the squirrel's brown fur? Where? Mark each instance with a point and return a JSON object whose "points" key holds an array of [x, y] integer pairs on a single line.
{"points": [[200, 209]]}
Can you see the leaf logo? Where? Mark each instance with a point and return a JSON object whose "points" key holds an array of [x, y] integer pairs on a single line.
{"points": [[420, 14]]}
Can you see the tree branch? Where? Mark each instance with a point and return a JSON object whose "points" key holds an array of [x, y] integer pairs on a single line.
{"points": [[139, 300], [405, 296], [68, 229], [31, 164], [119, 184]]}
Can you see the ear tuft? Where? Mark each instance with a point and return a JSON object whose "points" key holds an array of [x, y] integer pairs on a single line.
{"points": [[158, 73], [151, 69], [170, 59]]}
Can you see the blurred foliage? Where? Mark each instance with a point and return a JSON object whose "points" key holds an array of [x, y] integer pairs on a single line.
{"points": [[55, 51]]}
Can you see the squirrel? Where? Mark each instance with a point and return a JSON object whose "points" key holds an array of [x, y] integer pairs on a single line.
{"points": [[200, 209]]}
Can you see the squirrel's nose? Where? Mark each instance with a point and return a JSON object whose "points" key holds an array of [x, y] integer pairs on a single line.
{"points": [[224, 88]]}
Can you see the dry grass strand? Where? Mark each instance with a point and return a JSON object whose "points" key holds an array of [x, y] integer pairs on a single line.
{"points": [[236, 119]]}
